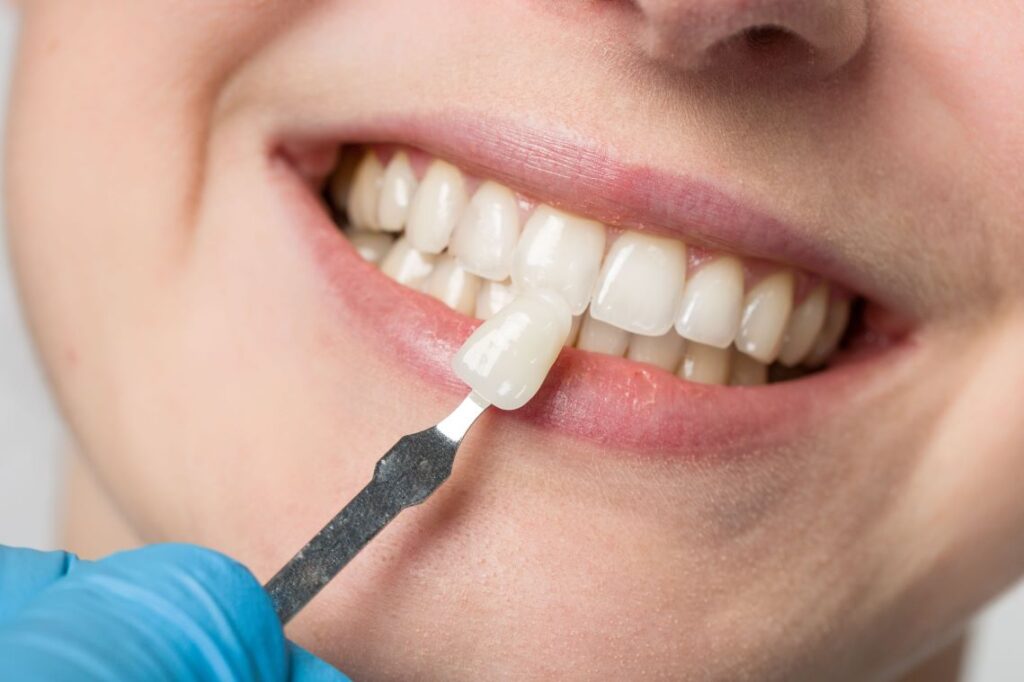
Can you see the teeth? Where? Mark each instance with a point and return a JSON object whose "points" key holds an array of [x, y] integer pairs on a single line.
{"points": [[712, 303], [746, 371], [341, 181], [705, 364], [371, 246], [492, 298], [506, 359], [664, 351], [766, 311], [397, 190], [560, 252], [436, 208], [407, 265], [452, 285], [574, 331], [471, 254], [835, 324], [487, 232], [804, 326], [640, 284], [601, 337], [365, 192]]}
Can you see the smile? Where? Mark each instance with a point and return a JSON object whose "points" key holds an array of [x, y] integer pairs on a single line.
{"points": [[681, 341]]}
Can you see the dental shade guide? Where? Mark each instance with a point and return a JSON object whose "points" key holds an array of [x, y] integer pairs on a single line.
{"points": [[505, 361]]}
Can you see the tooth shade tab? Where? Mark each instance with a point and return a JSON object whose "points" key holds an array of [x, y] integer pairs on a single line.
{"points": [[407, 265], [766, 310], [492, 298], [487, 232], [436, 207], [559, 252], [365, 192], [507, 358], [601, 337], [452, 285], [640, 284], [664, 351], [705, 364], [397, 190], [712, 303], [371, 246], [805, 324]]}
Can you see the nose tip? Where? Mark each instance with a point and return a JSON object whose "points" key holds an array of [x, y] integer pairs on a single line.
{"points": [[816, 35]]}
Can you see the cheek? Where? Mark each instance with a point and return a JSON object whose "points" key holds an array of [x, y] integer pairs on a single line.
{"points": [[245, 389], [978, 90], [105, 161]]}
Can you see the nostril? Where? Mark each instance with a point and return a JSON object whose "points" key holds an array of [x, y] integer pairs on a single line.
{"points": [[760, 49], [785, 37], [766, 37], [774, 45]]}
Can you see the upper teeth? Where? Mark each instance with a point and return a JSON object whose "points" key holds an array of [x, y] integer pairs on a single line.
{"points": [[644, 302]]}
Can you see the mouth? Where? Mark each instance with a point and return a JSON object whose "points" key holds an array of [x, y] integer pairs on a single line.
{"points": [[684, 335]]}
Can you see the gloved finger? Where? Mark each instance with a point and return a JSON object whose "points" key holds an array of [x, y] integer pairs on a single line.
{"points": [[26, 572], [305, 667], [166, 612]]}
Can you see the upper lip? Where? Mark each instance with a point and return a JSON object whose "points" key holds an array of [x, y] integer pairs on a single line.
{"points": [[581, 177]]}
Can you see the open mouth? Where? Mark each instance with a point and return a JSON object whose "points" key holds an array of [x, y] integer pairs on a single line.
{"points": [[707, 316], [674, 338]]}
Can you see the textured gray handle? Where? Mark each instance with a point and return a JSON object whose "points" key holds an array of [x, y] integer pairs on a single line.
{"points": [[410, 471]]}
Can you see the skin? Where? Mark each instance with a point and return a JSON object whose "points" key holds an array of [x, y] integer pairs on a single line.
{"points": [[219, 395]]}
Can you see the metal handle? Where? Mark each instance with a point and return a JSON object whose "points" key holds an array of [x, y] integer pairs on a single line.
{"points": [[410, 471]]}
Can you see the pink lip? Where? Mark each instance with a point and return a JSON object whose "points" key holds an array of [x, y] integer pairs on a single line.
{"points": [[623, 405]]}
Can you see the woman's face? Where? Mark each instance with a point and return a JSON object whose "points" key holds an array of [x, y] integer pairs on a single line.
{"points": [[232, 369]]}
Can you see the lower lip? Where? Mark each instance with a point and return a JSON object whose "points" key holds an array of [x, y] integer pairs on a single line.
{"points": [[623, 405]]}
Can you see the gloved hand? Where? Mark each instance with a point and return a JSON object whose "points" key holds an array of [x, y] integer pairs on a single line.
{"points": [[165, 612]]}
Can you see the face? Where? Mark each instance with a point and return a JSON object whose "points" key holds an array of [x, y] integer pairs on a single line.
{"points": [[233, 363]]}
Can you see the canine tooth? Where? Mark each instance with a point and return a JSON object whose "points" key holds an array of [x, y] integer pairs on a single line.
{"points": [[705, 364], [560, 252], [407, 265], [492, 298], [371, 246], [507, 357], [363, 197], [664, 351], [452, 285], [805, 324], [746, 371], [397, 190], [436, 207], [574, 331], [712, 303], [640, 284], [836, 319], [766, 310], [601, 337], [486, 234]]}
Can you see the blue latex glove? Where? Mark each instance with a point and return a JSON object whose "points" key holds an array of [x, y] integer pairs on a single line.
{"points": [[165, 612]]}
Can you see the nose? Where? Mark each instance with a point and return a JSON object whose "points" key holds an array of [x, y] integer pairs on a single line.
{"points": [[816, 36]]}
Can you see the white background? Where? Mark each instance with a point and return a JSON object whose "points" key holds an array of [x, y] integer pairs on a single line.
{"points": [[31, 436]]}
